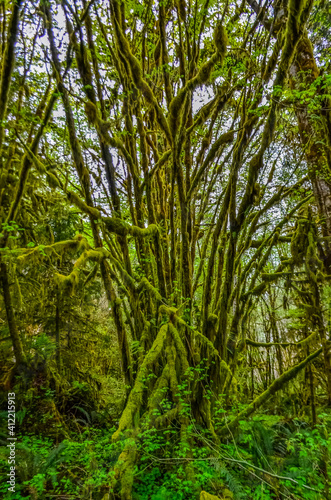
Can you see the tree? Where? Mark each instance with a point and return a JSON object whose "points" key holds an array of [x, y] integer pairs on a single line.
{"points": [[191, 211]]}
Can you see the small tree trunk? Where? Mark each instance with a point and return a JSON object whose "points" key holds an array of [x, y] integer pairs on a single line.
{"points": [[13, 330], [312, 395], [57, 332]]}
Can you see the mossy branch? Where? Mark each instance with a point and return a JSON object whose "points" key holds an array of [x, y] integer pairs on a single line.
{"points": [[84, 207], [121, 228], [172, 313], [145, 284], [301, 343], [137, 77], [8, 61], [180, 348], [70, 282], [36, 253], [26, 161], [135, 397], [298, 14], [272, 389], [225, 138], [164, 158], [203, 75]]}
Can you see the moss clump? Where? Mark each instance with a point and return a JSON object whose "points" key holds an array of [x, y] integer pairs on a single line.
{"points": [[56, 249], [145, 284], [52, 179], [91, 113], [87, 209], [120, 227], [220, 40], [68, 284]]}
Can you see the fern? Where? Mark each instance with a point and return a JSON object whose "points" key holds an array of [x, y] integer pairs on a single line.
{"points": [[55, 457], [230, 479], [88, 418]]}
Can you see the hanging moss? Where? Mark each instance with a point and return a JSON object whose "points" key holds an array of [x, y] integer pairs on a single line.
{"points": [[70, 283], [221, 40], [171, 312], [312, 258], [203, 75], [225, 138], [139, 81], [52, 179], [41, 168], [256, 290], [298, 242], [8, 61], [270, 277], [145, 284], [56, 249], [159, 391], [91, 112], [171, 355]]}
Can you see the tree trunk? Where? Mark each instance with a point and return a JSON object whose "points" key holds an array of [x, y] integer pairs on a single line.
{"points": [[20, 357]]}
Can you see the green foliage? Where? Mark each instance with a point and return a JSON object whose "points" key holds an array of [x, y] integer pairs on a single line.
{"points": [[70, 468], [197, 217]]}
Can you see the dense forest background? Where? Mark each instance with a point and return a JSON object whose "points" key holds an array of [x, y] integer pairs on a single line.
{"points": [[165, 248]]}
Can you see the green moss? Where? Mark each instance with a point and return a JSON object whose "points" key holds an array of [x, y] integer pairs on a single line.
{"points": [[70, 282], [124, 469], [120, 227], [92, 112], [145, 284], [52, 179], [54, 250], [221, 40], [180, 348], [136, 394], [76, 200], [272, 389]]}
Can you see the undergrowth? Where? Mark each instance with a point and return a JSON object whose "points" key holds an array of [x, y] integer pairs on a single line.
{"points": [[269, 458]]}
